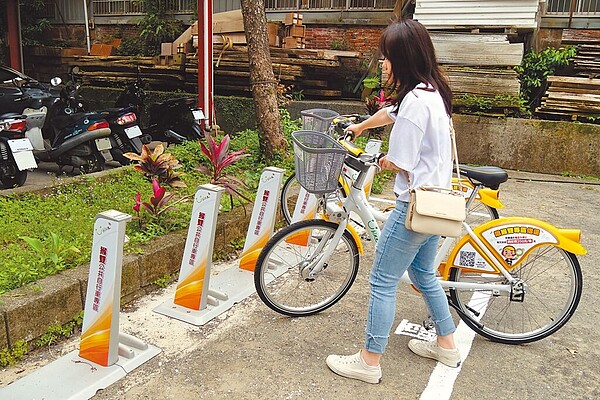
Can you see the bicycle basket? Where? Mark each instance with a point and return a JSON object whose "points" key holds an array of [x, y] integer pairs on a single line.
{"points": [[319, 160], [317, 119]]}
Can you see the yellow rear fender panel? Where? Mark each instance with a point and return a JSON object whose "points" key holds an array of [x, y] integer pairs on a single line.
{"points": [[509, 240]]}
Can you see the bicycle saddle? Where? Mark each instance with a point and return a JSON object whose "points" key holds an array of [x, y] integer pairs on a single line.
{"points": [[489, 176]]}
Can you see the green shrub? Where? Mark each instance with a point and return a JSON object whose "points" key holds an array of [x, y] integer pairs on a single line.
{"points": [[536, 67]]}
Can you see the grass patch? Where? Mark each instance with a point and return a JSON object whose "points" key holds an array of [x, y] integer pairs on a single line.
{"points": [[43, 234], [65, 214]]}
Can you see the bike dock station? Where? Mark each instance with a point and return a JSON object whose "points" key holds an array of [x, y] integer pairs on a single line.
{"points": [[105, 355], [199, 296]]}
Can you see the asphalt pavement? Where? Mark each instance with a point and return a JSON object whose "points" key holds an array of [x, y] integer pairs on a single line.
{"points": [[251, 352]]}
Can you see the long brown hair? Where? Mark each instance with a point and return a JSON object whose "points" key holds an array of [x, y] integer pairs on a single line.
{"points": [[407, 45]]}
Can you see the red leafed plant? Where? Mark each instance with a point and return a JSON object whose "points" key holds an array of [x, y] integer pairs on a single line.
{"points": [[158, 201], [158, 164], [376, 102], [220, 158]]}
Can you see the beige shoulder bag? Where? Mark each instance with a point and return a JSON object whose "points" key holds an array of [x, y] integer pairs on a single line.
{"points": [[437, 210]]}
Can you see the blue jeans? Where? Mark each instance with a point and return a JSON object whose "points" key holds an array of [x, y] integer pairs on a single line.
{"points": [[399, 250]]}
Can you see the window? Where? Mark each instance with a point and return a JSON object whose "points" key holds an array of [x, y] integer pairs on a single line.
{"points": [[580, 7], [124, 7]]}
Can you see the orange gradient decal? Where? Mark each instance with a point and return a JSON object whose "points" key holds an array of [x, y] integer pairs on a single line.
{"points": [[189, 291], [96, 339], [249, 257]]}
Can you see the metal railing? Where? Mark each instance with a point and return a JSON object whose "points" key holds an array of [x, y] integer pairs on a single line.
{"points": [[128, 7], [276, 5], [573, 7]]}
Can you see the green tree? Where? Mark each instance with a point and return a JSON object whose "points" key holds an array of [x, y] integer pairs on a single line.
{"points": [[263, 83], [156, 26]]}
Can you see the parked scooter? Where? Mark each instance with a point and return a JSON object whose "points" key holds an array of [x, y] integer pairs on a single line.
{"points": [[16, 155], [172, 121], [68, 137], [125, 134]]}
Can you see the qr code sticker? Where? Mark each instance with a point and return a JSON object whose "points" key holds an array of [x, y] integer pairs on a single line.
{"points": [[467, 259]]}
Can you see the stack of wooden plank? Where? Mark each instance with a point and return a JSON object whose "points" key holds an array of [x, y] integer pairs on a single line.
{"points": [[317, 73], [479, 64], [587, 60], [571, 97], [576, 97], [229, 26]]}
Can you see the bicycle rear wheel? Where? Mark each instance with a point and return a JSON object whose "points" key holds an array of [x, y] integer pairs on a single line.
{"points": [[478, 213], [281, 273], [552, 283], [289, 196]]}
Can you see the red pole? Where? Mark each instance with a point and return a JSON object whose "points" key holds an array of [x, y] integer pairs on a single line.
{"points": [[14, 43], [205, 62], [209, 42]]}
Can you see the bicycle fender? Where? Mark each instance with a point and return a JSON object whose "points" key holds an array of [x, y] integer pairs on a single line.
{"points": [[509, 241], [356, 239], [489, 197]]}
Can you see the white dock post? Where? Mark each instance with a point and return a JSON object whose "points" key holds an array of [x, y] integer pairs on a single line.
{"points": [[104, 354]]}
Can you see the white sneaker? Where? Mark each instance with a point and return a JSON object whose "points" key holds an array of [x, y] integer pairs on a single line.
{"points": [[354, 367], [430, 349]]}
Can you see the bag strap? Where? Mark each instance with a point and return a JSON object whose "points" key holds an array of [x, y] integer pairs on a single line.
{"points": [[454, 156], [455, 152]]}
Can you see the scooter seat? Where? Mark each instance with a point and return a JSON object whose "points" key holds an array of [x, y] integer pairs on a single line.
{"points": [[116, 112], [170, 102], [12, 115], [66, 120]]}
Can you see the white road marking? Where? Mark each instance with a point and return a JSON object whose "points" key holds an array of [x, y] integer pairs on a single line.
{"points": [[441, 380]]}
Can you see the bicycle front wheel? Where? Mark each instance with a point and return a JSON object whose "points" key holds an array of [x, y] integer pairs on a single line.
{"points": [[282, 274], [552, 283]]}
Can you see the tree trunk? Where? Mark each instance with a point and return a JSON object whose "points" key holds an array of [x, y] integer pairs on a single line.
{"points": [[262, 79]]}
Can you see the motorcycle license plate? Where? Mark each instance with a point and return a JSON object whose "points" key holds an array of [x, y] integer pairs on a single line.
{"points": [[103, 144], [22, 153], [18, 145], [133, 131], [198, 115]]}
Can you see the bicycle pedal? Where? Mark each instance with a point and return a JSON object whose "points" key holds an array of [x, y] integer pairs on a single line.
{"points": [[428, 325]]}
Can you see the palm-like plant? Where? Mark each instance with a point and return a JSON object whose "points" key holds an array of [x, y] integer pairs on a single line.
{"points": [[158, 164], [220, 158]]}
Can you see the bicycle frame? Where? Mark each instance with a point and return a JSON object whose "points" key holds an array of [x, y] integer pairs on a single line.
{"points": [[356, 202]]}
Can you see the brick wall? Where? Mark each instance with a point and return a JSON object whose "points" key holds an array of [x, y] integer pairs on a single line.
{"points": [[353, 38], [74, 35]]}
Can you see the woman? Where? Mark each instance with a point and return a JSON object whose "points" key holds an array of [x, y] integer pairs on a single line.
{"points": [[420, 150]]}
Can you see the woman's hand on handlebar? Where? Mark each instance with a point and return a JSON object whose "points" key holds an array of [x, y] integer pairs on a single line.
{"points": [[355, 130]]}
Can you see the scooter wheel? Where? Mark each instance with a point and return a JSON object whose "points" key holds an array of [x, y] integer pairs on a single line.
{"points": [[118, 156], [14, 181]]}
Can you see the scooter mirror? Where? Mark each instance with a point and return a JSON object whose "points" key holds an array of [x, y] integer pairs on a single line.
{"points": [[55, 81], [75, 70]]}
